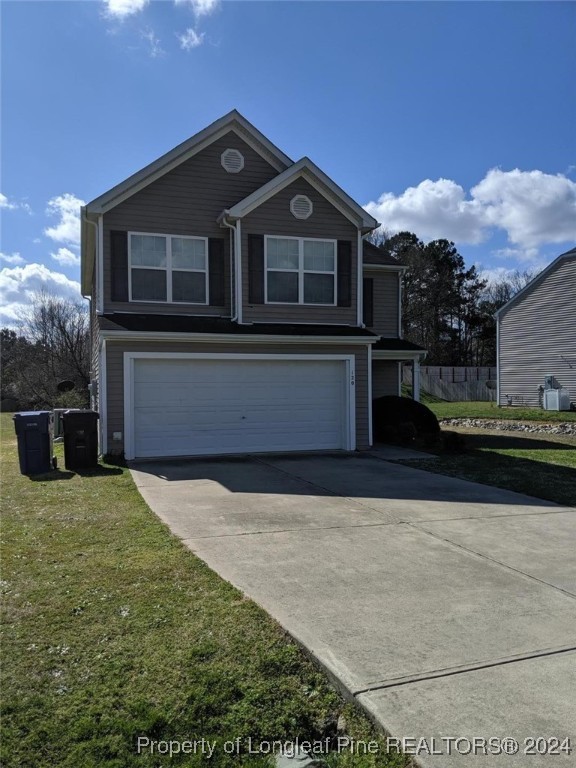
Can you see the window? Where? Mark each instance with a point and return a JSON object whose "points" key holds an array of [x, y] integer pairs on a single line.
{"points": [[300, 271], [168, 268]]}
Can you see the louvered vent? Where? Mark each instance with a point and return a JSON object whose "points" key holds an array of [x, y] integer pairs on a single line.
{"points": [[301, 206], [232, 160]]}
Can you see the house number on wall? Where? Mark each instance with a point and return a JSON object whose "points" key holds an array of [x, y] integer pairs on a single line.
{"points": [[352, 379]]}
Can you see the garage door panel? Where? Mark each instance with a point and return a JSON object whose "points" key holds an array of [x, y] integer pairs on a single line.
{"points": [[207, 406]]}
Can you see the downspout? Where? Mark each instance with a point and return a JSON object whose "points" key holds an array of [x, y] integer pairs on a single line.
{"points": [[360, 281], [235, 272]]}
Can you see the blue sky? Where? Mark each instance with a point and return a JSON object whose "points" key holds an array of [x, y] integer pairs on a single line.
{"points": [[452, 119]]}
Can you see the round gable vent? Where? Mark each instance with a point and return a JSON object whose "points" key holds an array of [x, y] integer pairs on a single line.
{"points": [[232, 160], [301, 207]]}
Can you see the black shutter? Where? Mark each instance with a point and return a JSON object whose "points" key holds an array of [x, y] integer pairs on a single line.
{"points": [[216, 271], [256, 269], [119, 265], [344, 273], [368, 306]]}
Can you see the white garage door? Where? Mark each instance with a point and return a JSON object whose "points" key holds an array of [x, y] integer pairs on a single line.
{"points": [[186, 407]]}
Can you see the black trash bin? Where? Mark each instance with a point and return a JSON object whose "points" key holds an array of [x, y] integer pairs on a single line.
{"points": [[34, 430], [80, 439]]}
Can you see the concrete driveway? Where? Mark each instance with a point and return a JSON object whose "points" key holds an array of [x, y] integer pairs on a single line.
{"points": [[447, 608]]}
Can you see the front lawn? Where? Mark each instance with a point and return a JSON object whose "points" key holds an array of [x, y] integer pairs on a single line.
{"points": [[487, 410], [113, 630], [540, 465]]}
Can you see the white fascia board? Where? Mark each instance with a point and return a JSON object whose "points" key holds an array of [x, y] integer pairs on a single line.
{"points": [[233, 121], [235, 337], [307, 169], [385, 267], [88, 254], [400, 354]]}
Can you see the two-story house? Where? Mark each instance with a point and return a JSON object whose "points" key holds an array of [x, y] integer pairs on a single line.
{"points": [[235, 304]]}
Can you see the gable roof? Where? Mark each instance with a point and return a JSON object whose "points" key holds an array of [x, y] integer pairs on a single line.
{"points": [[307, 170], [375, 257], [571, 254], [232, 121]]}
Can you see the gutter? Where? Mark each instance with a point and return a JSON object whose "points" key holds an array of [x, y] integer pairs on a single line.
{"points": [[238, 338]]}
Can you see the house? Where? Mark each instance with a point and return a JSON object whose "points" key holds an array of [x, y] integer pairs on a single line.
{"points": [[236, 306], [536, 335]]}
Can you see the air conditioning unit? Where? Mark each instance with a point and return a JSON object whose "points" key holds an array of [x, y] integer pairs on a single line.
{"points": [[550, 382], [556, 399]]}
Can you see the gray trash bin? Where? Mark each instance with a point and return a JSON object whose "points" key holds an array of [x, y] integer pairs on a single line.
{"points": [[34, 430]]}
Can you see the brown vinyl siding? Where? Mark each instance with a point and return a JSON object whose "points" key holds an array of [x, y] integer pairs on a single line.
{"points": [[384, 378], [385, 301], [537, 336], [115, 374], [187, 201], [274, 218]]}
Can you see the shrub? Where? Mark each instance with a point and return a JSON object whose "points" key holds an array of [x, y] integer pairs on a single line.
{"points": [[390, 413]]}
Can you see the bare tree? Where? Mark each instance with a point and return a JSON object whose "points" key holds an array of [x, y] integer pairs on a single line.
{"points": [[57, 332]]}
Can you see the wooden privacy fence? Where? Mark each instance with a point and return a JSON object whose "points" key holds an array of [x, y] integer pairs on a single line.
{"points": [[456, 383]]}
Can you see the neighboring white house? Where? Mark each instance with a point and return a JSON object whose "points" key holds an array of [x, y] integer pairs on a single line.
{"points": [[536, 335]]}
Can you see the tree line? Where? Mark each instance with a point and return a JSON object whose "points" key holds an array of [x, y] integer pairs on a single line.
{"points": [[446, 307], [51, 345]]}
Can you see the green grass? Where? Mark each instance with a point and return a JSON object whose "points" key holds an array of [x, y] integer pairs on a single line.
{"points": [[113, 630], [487, 410], [539, 465]]}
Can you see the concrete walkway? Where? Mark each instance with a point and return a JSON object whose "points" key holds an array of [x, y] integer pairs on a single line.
{"points": [[447, 608]]}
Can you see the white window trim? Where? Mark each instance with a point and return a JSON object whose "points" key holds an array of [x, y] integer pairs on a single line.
{"points": [[167, 269], [130, 357], [301, 271]]}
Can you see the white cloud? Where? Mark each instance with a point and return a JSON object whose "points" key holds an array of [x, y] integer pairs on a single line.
{"points": [[499, 274], [519, 254], [200, 7], [190, 39], [19, 284], [66, 257], [6, 204], [432, 210], [67, 230], [121, 9], [12, 258], [532, 207], [154, 43], [11, 205]]}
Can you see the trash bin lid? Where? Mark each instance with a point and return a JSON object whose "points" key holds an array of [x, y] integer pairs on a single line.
{"points": [[32, 415], [36, 420], [80, 415]]}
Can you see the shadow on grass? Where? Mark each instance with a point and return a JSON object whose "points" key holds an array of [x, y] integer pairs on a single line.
{"points": [[541, 479], [514, 441], [98, 471], [56, 474], [67, 474]]}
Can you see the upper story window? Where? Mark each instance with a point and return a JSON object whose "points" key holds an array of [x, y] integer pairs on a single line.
{"points": [[300, 270], [168, 268]]}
